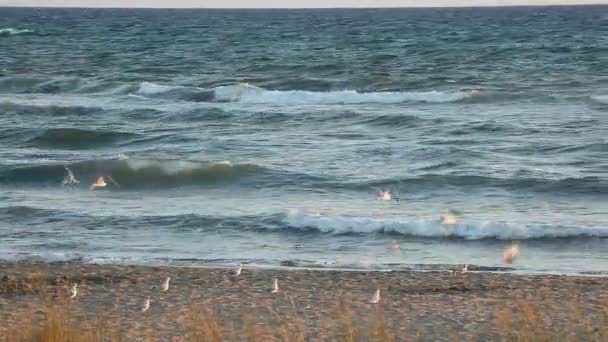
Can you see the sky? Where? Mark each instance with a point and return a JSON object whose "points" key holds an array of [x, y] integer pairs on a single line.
{"points": [[286, 3]]}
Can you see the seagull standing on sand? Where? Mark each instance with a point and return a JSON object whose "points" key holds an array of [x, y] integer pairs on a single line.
{"points": [[465, 269], [69, 178], [239, 270], [511, 252], [165, 285], [275, 286], [74, 291], [376, 297], [146, 305]]}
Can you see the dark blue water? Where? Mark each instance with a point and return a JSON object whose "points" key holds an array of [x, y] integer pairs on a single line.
{"points": [[263, 136]]}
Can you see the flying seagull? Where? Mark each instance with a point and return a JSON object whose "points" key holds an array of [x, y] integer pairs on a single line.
{"points": [[68, 178]]}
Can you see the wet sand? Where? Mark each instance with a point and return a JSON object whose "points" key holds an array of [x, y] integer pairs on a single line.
{"points": [[438, 306]]}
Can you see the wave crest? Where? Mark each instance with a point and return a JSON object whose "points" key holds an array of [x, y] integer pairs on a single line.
{"points": [[9, 31], [246, 93], [172, 92], [603, 99], [137, 173], [428, 229]]}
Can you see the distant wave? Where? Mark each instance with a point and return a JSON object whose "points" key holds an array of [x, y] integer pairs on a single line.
{"points": [[140, 173], [600, 98], [296, 219], [583, 185], [245, 93], [75, 138], [250, 94], [183, 93], [9, 31]]}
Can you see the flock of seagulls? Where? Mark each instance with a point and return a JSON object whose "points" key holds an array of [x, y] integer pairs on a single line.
{"points": [[450, 218], [100, 182], [164, 287]]}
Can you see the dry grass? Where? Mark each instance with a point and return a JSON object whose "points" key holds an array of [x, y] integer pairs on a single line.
{"points": [[523, 321], [47, 315]]}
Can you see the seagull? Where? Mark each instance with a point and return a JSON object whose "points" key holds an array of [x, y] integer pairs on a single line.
{"points": [[74, 291], [275, 286], [165, 286], [387, 196], [448, 219], [452, 217], [465, 269], [99, 184], [376, 297], [69, 178], [239, 270], [114, 182], [394, 246], [511, 252], [146, 305]]}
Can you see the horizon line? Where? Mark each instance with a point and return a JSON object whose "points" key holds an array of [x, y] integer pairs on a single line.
{"points": [[316, 8]]}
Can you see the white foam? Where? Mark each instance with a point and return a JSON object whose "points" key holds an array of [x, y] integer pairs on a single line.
{"points": [[600, 98], [11, 31], [336, 224], [149, 88], [172, 167], [246, 93]]}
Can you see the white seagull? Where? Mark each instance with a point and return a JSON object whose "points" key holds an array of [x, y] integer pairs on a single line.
{"points": [[465, 269], [99, 184], [165, 286], [452, 217], [146, 305], [69, 178], [387, 196], [511, 252], [275, 286], [74, 291], [239, 270], [376, 297]]}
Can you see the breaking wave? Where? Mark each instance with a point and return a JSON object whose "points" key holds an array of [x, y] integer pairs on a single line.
{"points": [[246, 93], [300, 220], [138, 173], [9, 31]]}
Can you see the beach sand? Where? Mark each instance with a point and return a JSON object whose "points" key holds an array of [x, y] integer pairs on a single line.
{"points": [[311, 304]]}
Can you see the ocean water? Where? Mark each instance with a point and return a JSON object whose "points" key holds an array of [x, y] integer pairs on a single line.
{"points": [[263, 136]]}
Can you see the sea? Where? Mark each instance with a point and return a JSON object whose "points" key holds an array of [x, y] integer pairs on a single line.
{"points": [[264, 137]]}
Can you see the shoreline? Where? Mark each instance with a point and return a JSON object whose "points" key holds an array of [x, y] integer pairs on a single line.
{"points": [[289, 267], [425, 304]]}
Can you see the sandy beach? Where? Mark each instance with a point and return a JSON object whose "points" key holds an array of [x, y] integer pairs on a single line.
{"points": [[310, 305]]}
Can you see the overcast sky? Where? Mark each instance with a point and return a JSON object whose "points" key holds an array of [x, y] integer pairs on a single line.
{"points": [[287, 3]]}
